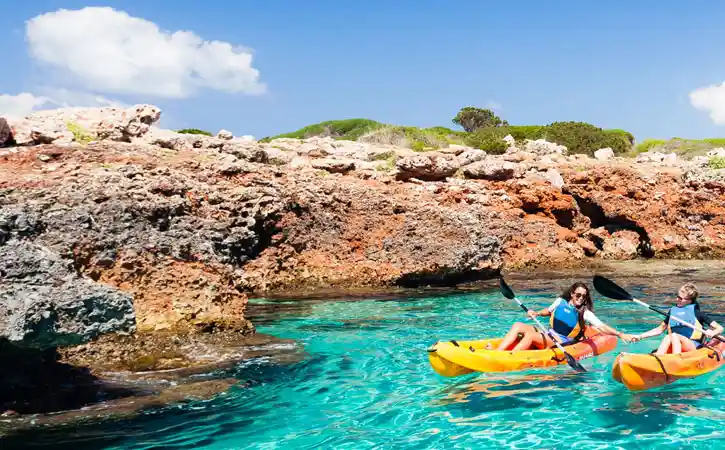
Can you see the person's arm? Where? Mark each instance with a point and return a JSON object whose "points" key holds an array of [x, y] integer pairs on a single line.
{"points": [[659, 329], [594, 321], [716, 328], [546, 312]]}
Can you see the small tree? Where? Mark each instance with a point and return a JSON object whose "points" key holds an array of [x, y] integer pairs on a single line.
{"points": [[471, 119]]}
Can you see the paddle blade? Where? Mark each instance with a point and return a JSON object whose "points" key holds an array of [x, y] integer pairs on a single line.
{"points": [[574, 363], [609, 288], [505, 289]]}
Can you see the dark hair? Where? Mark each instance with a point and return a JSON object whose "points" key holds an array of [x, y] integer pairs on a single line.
{"points": [[588, 304]]}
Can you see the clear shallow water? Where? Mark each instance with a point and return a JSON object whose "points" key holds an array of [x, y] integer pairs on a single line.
{"points": [[366, 383]]}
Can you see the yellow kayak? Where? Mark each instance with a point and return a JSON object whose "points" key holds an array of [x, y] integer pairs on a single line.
{"points": [[454, 358], [642, 371]]}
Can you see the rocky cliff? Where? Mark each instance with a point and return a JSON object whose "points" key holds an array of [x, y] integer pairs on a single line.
{"points": [[114, 212]]}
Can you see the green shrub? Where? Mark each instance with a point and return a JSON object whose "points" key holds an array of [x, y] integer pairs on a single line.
{"points": [[715, 142], [619, 142], [649, 144], [685, 148], [626, 134], [194, 131], [471, 119], [716, 162], [418, 139], [384, 155], [347, 129], [488, 139], [585, 138], [80, 134], [523, 132]]}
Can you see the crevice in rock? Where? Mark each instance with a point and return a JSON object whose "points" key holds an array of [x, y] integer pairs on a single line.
{"points": [[564, 217], [444, 277], [598, 218]]}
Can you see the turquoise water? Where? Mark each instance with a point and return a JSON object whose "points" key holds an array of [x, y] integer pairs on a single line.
{"points": [[365, 383]]}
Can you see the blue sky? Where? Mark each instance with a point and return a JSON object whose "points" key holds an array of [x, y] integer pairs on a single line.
{"points": [[616, 64]]}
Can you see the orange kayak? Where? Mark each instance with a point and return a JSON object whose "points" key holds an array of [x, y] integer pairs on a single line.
{"points": [[641, 371], [454, 358]]}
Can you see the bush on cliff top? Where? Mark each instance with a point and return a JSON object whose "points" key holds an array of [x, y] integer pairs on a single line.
{"points": [[489, 139], [366, 130], [194, 131], [684, 147], [488, 131], [578, 137], [349, 129], [716, 162]]}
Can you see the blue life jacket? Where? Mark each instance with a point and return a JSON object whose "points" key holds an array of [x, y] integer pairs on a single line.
{"points": [[688, 314], [565, 320]]}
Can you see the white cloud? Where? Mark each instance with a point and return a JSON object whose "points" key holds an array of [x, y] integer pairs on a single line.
{"points": [[68, 98], [111, 51], [711, 99], [25, 103], [20, 105]]}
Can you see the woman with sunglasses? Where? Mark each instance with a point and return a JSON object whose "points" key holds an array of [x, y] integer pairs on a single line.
{"points": [[681, 338], [569, 314]]}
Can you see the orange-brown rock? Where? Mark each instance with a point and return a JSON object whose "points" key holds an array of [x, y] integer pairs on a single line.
{"points": [[188, 232]]}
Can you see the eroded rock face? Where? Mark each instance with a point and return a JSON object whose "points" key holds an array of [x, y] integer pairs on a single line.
{"points": [[65, 125], [426, 167], [45, 304]]}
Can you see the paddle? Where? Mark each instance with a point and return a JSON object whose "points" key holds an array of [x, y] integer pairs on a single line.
{"points": [[609, 288], [509, 294]]}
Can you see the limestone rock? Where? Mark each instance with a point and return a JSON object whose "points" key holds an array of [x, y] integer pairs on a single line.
{"points": [[622, 245], [650, 157], [226, 135], [555, 178], [486, 170], [426, 167], [604, 154], [543, 147], [334, 165], [471, 156]]}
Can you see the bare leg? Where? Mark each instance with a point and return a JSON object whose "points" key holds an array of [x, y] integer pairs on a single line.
{"points": [[533, 340], [664, 346], [676, 343], [513, 335], [686, 344]]}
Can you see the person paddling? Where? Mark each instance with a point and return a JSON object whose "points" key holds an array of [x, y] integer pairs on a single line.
{"points": [[569, 313], [681, 338]]}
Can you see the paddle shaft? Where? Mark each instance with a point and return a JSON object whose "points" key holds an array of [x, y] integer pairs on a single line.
{"points": [[652, 308]]}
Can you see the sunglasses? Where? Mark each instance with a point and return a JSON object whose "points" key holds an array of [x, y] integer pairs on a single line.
{"points": [[578, 295]]}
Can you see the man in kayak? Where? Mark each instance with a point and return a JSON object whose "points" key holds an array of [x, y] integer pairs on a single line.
{"points": [[569, 313], [681, 338]]}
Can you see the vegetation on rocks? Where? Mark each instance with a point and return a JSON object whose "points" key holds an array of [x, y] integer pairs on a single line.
{"points": [[194, 131], [716, 162], [80, 134], [371, 131], [686, 148], [483, 129]]}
